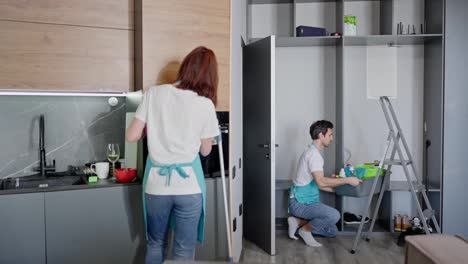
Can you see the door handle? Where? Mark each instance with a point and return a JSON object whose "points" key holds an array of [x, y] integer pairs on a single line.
{"points": [[266, 146], [428, 143]]}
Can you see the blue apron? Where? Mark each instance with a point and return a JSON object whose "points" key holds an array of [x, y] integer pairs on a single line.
{"points": [[166, 170], [309, 193]]}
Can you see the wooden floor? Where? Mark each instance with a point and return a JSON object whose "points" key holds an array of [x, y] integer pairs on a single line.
{"points": [[381, 249]]}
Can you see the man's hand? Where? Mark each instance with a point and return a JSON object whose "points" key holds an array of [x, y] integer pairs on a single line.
{"points": [[353, 181]]}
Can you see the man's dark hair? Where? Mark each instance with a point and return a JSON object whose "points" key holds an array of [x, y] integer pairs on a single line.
{"points": [[318, 127]]}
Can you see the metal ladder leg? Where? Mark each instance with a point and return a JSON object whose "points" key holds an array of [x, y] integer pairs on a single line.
{"points": [[433, 218], [394, 136], [403, 139], [364, 215], [369, 200], [382, 190], [400, 155], [413, 192], [410, 157]]}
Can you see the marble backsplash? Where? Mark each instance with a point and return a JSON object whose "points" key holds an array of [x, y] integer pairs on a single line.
{"points": [[77, 131]]}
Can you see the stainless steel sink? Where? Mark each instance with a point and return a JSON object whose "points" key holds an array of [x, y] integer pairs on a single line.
{"points": [[38, 181]]}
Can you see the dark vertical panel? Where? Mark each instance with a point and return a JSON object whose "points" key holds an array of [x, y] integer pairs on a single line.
{"points": [[258, 204], [386, 17], [433, 13], [455, 180], [433, 110]]}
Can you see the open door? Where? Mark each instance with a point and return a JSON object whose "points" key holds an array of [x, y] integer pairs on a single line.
{"points": [[259, 143]]}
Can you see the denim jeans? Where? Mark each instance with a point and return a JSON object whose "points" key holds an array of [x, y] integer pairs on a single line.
{"points": [[323, 218], [187, 211]]}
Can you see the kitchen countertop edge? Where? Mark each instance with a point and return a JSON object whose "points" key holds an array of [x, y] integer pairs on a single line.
{"points": [[100, 184]]}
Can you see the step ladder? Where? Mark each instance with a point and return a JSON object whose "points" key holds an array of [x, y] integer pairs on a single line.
{"points": [[396, 137]]}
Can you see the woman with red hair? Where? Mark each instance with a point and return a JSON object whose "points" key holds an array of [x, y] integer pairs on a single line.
{"points": [[180, 122]]}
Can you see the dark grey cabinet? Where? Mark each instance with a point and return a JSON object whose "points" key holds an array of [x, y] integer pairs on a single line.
{"points": [[103, 225], [99, 225], [22, 236]]}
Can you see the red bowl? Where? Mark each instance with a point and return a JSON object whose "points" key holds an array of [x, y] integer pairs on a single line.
{"points": [[125, 175]]}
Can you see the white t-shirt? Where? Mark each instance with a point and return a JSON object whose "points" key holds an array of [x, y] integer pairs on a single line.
{"points": [[176, 120], [311, 160]]}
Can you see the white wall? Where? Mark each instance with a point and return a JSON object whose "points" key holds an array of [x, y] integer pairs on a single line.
{"points": [[317, 15], [305, 92], [409, 12], [365, 129], [367, 14], [277, 19], [238, 27], [270, 19]]}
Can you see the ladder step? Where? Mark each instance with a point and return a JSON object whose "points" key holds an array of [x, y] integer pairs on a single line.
{"points": [[398, 162], [404, 186], [419, 187]]}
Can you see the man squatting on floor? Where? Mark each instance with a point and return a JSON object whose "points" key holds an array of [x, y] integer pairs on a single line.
{"points": [[309, 216]]}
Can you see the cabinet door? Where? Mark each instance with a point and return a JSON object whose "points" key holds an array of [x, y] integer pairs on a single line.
{"points": [[39, 56], [259, 143], [102, 225], [166, 31], [115, 14], [22, 238]]}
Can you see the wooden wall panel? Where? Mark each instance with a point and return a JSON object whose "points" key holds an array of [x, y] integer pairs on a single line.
{"points": [[171, 29], [102, 13], [58, 57]]}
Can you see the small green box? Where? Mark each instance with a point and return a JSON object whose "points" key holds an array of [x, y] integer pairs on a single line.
{"points": [[92, 179]]}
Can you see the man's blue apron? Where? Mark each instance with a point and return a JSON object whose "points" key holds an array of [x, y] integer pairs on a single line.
{"points": [[166, 170], [309, 193]]}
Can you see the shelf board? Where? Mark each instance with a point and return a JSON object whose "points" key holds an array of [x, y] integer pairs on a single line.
{"points": [[303, 41], [267, 2], [370, 40], [283, 185], [307, 41], [433, 187], [403, 186], [373, 40]]}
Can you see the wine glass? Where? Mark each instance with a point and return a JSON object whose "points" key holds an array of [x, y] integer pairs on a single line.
{"points": [[113, 155]]}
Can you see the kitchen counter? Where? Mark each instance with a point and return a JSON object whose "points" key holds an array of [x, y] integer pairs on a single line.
{"points": [[105, 224], [102, 183]]}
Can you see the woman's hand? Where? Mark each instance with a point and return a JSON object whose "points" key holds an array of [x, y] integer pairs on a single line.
{"points": [[136, 130], [205, 147]]}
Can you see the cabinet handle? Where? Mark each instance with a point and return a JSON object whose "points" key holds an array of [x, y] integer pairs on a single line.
{"points": [[267, 145]]}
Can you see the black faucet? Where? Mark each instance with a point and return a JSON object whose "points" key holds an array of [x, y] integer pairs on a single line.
{"points": [[42, 156], [42, 153]]}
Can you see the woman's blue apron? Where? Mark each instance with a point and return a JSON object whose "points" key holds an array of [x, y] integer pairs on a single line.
{"points": [[166, 170]]}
